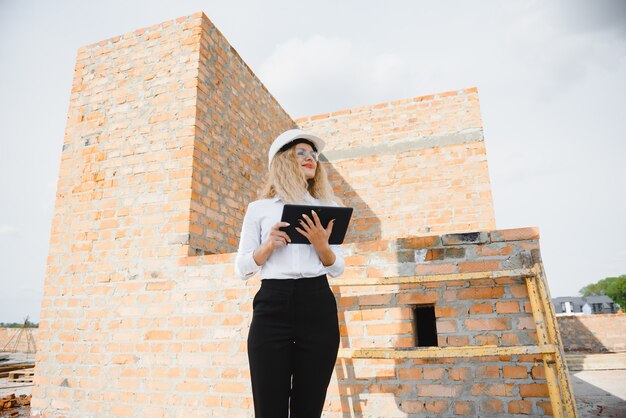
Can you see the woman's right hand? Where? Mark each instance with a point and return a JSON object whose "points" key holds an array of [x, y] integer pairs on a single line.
{"points": [[277, 238]]}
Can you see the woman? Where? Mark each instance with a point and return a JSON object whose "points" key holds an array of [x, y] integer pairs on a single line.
{"points": [[294, 333]]}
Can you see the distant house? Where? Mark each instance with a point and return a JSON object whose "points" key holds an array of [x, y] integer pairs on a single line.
{"points": [[571, 305]]}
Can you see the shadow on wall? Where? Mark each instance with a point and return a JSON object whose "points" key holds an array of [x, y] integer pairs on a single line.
{"points": [[359, 378], [577, 337], [365, 224], [355, 382]]}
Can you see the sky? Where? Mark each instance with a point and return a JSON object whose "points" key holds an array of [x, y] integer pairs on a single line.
{"points": [[551, 78]]}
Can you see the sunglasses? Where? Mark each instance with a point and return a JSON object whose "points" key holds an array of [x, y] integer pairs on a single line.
{"points": [[302, 153]]}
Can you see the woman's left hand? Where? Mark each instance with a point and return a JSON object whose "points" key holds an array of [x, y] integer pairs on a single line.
{"points": [[313, 230]]}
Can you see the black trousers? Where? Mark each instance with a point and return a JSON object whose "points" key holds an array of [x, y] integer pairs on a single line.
{"points": [[292, 346]]}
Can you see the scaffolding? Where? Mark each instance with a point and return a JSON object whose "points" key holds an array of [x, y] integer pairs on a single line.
{"points": [[549, 344], [25, 331]]}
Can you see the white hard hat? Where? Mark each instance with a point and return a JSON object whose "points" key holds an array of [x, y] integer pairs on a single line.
{"points": [[289, 136]]}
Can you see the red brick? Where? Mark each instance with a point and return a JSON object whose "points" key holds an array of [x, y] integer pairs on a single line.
{"points": [[123, 410], [534, 390], [515, 372], [510, 339], [491, 406], [482, 293], [482, 265], [413, 373], [481, 308], [464, 408], [419, 242], [370, 300], [492, 389], [488, 339], [409, 407], [520, 407], [434, 254], [457, 373], [517, 234], [488, 324], [488, 372], [538, 372], [519, 291], [415, 298], [321, 116], [507, 307], [435, 373], [448, 311], [392, 328], [229, 387], [159, 335], [493, 250], [430, 269], [457, 341], [436, 407], [446, 326]]}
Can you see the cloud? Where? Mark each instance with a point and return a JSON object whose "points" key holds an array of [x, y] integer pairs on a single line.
{"points": [[9, 231], [591, 16], [308, 74], [531, 51], [553, 46]]}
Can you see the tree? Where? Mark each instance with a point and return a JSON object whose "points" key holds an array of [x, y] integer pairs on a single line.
{"points": [[613, 287], [25, 324]]}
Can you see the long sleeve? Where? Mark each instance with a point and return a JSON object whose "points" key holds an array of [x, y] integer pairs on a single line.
{"points": [[250, 240], [336, 269]]}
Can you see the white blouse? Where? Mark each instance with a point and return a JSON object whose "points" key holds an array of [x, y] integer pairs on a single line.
{"points": [[292, 261]]}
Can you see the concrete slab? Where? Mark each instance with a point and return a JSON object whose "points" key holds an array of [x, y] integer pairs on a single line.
{"points": [[600, 393]]}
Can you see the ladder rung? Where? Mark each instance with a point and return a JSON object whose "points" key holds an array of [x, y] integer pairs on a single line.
{"points": [[369, 281], [443, 352]]}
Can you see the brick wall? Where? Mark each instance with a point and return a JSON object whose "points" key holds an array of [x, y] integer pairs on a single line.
{"points": [[163, 131], [128, 147], [140, 319], [174, 343], [236, 121], [476, 313], [593, 333], [410, 167]]}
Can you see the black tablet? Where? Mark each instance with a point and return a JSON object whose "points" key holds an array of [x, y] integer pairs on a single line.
{"points": [[293, 213]]}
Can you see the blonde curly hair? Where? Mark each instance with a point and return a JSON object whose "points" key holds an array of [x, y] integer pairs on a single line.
{"points": [[286, 180]]}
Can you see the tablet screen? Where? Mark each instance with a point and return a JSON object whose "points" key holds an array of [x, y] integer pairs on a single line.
{"points": [[293, 213]]}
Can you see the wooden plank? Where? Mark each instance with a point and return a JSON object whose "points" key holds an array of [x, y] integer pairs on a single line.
{"points": [[21, 373], [442, 352], [566, 389], [395, 280], [4, 370], [542, 337]]}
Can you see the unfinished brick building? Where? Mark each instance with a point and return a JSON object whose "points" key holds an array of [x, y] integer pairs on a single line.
{"points": [[142, 313]]}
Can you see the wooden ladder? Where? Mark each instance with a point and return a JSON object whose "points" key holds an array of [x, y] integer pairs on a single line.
{"points": [[549, 345]]}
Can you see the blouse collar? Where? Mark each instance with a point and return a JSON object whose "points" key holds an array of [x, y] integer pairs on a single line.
{"points": [[308, 197]]}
